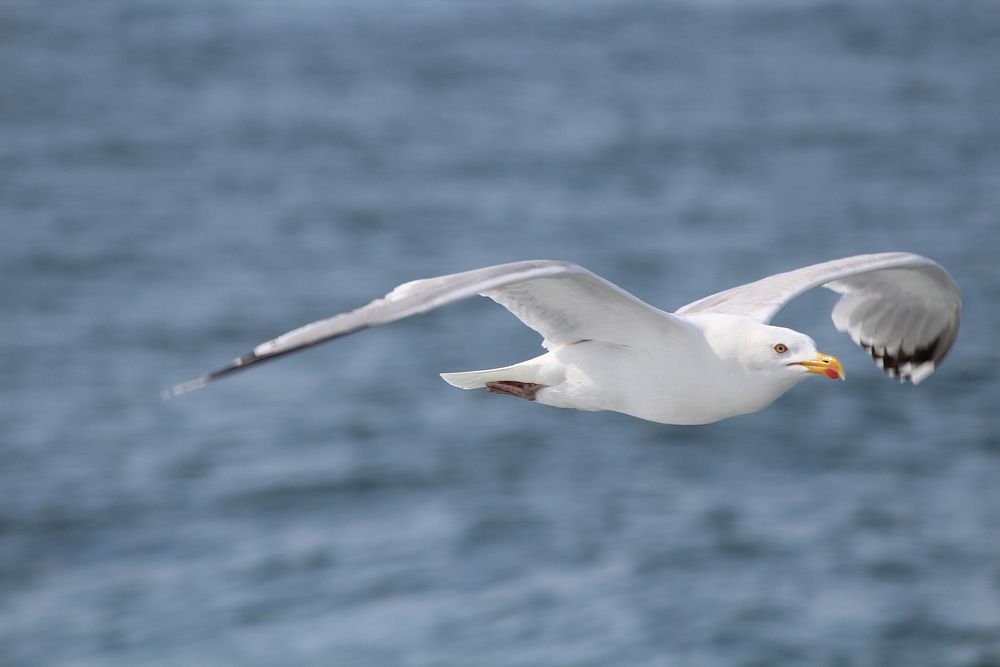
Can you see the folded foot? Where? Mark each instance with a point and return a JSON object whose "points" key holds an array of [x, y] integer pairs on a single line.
{"points": [[525, 390]]}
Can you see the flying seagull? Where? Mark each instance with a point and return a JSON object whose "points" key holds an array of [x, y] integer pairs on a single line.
{"points": [[714, 358]]}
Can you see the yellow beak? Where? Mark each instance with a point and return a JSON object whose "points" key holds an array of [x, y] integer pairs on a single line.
{"points": [[824, 364]]}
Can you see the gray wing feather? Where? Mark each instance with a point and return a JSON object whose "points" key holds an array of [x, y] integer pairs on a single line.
{"points": [[903, 309], [564, 302]]}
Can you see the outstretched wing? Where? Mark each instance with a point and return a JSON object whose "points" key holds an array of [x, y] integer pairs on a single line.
{"points": [[902, 308], [563, 302]]}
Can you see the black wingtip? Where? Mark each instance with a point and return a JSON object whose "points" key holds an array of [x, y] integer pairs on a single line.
{"points": [[913, 366], [184, 387], [200, 381], [247, 360]]}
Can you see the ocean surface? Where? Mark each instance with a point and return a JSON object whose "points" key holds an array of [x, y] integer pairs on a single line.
{"points": [[183, 179]]}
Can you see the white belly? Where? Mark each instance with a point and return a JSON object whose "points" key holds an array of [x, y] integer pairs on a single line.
{"points": [[671, 386]]}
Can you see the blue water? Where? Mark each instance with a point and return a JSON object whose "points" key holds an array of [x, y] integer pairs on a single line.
{"points": [[181, 180]]}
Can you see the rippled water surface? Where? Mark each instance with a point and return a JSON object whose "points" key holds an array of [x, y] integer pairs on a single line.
{"points": [[182, 180]]}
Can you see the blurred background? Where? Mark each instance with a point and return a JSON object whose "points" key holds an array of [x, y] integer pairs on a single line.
{"points": [[183, 179]]}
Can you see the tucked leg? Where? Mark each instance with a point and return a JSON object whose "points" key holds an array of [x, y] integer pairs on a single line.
{"points": [[525, 390]]}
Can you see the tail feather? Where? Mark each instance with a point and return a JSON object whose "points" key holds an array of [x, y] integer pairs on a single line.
{"points": [[522, 372]]}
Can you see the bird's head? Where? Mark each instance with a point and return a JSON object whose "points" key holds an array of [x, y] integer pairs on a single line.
{"points": [[781, 352]]}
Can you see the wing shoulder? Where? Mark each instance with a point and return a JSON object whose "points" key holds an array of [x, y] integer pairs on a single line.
{"points": [[576, 304]]}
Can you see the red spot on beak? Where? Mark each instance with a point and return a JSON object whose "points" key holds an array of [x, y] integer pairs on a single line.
{"points": [[832, 374]]}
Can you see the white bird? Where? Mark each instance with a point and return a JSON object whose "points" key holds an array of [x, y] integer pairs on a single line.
{"points": [[715, 358]]}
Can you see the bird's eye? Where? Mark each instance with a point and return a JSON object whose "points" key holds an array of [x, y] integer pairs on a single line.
{"points": [[780, 348]]}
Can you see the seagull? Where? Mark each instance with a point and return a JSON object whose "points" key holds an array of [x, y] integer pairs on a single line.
{"points": [[715, 358]]}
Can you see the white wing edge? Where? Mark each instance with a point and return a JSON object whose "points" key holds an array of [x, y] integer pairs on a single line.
{"points": [[763, 298]]}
